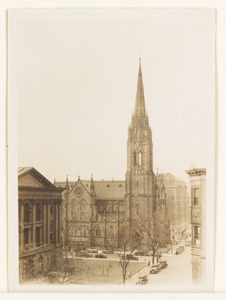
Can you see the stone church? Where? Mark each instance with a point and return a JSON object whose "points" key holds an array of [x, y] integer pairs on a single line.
{"points": [[103, 214]]}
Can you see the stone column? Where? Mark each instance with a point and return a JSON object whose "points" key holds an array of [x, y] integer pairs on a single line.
{"points": [[48, 224], [59, 221], [21, 230], [34, 225], [44, 223], [56, 223]]}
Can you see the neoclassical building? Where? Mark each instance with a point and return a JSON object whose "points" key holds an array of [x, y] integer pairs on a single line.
{"points": [[39, 209], [105, 213]]}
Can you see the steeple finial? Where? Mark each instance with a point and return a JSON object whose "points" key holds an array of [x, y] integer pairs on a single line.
{"points": [[92, 188], [140, 110], [67, 185]]}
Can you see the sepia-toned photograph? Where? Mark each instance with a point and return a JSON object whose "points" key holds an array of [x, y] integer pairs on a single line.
{"points": [[112, 121]]}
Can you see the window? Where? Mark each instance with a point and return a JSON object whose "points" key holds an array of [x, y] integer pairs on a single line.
{"points": [[51, 209], [82, 216], [51, 234], [101, 208], [27, 213], [26, 236], [137, 208], [38, 212], [134, 158], [196, 197], [115, 208], [38, 236], [140, 159], [109, 208], [196, 235], [98, 232]]}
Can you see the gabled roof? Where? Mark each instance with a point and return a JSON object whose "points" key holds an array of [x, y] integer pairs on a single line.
{"points": [[30, 177], [105, 190]]}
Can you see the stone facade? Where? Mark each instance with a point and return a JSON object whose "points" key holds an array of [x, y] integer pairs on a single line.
{"points": [[39, 220], [178, 206], [104, 213]]}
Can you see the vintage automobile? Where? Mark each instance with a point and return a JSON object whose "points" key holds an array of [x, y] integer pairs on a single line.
{"points": [[140, 253], [178, 251], [84, 254], [155, 268], [164, 264], [143, 280], [92, 250], [100, 255], [131, 257]]}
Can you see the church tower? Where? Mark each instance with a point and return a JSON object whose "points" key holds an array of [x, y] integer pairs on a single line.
{"points": [[139, 176]]}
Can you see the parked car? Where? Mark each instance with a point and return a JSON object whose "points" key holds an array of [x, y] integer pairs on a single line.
{"points": [[178, 251], [140, 253], [164, 264], [143, 280], [100, 255], [107, 251], [131, 257], [92, 250], [155, 268], [84, 254]]}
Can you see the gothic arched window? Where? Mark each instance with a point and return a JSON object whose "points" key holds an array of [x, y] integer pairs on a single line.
{"points": [[140, 158], [134, 158], [137, 209], [98, 231]]}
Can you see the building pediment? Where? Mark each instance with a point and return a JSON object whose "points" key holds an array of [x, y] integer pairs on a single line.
{"points": [[30, 177]]}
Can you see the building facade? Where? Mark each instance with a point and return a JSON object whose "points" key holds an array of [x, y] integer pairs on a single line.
{"points": [[104, 213], [198, 223], [178, 206], [39, 220]]}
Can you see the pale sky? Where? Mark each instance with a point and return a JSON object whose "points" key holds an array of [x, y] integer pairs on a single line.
{"points": [[73, 74]]}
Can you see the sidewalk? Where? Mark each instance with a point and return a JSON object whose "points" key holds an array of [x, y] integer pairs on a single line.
{"points": [[134, 277]]}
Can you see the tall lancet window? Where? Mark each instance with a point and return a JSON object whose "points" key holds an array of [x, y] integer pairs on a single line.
{"points": [[134, 158], [140, 158]]}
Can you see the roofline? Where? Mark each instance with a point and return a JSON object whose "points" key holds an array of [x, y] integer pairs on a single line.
{"points": [[32, 169]]}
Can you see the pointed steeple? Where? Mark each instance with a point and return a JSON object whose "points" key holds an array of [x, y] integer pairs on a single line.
{"points": [[92, 188], [67, 185], [140, 111]]}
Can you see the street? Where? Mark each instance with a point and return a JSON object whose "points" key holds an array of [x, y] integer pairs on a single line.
{"points": [[178, 272]]}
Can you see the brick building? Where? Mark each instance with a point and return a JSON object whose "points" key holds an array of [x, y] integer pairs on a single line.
{"points": [[198, 223]]}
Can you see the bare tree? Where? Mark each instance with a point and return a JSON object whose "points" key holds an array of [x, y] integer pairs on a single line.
{"points": [[61, 265], [125, 254]]}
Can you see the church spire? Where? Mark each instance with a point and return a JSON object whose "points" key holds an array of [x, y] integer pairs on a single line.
{"points": [[140, 111]]}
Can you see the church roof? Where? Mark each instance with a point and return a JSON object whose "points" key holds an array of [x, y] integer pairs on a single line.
{"points": [[105, 190], [109, 190]]}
